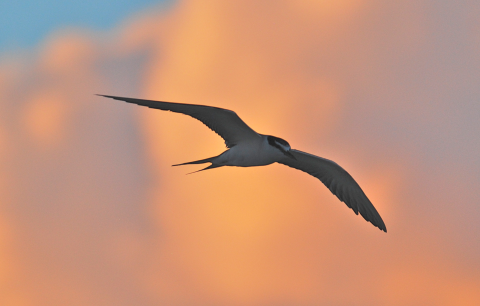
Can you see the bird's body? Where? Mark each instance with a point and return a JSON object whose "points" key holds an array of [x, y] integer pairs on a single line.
{"points": [[247, 148], [251, 153]]}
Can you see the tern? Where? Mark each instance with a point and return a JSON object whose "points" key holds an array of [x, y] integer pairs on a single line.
{"points": [[247, 148]]}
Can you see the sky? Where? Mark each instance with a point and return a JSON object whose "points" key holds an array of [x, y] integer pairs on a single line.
{"points": [[92, 213], [26, 23]]}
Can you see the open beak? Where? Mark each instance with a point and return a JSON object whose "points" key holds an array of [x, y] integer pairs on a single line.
{"points": [[287, 153]]}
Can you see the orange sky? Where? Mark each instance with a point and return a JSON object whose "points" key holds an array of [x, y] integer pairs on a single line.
{"points": [[92, 213]]}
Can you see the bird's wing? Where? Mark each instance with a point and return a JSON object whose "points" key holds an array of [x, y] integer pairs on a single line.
{"points": [[224, 122], [338, 181]]}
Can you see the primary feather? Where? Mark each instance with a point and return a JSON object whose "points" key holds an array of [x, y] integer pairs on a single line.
{"points": [[224, 122], [340, 183]]}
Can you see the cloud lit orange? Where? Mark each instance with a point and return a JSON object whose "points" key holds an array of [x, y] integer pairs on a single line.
{"points": [[92, 213]]}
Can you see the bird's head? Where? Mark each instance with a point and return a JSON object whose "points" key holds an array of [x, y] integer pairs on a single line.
{"points": [[281, 145]]}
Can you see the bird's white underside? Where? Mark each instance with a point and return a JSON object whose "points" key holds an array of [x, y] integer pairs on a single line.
{"points": [[250, 153]]}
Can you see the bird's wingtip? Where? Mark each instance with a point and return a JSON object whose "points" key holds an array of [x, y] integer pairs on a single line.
{"points": [[100, 95], [382, 227]]}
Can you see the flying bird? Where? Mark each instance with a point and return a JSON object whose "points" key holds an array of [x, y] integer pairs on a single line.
{"points": [[247, 148]]}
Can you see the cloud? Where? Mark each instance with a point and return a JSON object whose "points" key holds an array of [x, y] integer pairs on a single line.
{"points": [[94, 214]]}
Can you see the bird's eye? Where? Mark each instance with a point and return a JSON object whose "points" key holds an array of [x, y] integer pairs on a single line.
{"points": [[282, 143], [278, 142]]}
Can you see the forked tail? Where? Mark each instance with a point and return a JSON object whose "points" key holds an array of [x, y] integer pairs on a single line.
{"points": [[201, 161]]}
